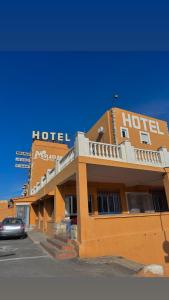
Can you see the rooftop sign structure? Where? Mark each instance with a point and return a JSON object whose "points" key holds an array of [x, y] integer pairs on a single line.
{"points": [[138, 122], [50, 136], [22, 166], [23, 153], [24, 158]]}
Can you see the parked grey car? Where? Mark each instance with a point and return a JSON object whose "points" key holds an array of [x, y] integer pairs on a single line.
{"points": [[12, 227]]}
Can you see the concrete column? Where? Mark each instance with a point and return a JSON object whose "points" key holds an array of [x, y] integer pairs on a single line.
{"points": [[39, 215], [45, 214], [48, 175], [127, 151], [57, 165], [166, 184], [59, 205], [164, 154], [32, 217], [42, 215], [82, 201], [81, 145]]}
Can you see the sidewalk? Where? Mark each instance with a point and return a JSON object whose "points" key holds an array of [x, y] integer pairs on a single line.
{"points": [[110, 264], [36, 236], [129, 267]]}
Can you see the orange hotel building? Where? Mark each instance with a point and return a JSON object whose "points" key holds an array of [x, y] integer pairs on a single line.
{"points": [[113, 185]]}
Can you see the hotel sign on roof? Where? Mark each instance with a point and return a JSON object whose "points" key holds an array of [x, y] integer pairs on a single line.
{"points": [[50, 136], [138, 122]]}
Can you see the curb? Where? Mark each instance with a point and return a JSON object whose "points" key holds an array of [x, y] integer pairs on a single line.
{"points": [[126, 265]]}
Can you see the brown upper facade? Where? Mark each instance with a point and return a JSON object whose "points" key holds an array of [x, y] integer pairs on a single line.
{"points": [[43, 157], [118, 125]]}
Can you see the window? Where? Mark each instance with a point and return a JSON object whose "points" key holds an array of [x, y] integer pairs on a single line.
{"points": [[90, 206], [124, 132], [140, 202], [109, 203], [145, 138], [70, 206], [12, 221], [159, 201]]}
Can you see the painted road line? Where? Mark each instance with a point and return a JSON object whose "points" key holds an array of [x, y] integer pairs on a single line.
{"points": [[7, 249], [24, 258]]}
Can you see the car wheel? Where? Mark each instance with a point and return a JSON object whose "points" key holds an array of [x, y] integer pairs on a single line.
{"points": [[23, 236]]}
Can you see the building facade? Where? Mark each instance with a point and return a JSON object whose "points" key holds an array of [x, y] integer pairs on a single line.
{"points": [[109, 192]]}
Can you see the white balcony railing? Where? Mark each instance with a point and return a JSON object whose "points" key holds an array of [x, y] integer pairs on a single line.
{"points": [[148, 157], [107, 151], [67, 159], [51, 174], [124, 152]]}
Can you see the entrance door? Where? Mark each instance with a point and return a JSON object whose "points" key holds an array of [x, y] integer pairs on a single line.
{"points": [[22, 212]]}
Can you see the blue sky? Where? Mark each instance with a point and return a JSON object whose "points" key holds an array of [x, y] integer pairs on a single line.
{"points": [[84, 25], [69, 91]]}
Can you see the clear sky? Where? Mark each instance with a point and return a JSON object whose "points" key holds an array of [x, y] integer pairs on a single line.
{"points": [[84, 25], [67, 92]]}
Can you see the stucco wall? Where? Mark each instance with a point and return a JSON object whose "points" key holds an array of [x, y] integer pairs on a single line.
{"points": [[106, 122], [112, 121], [141, 237], [157, 139], [40, 165]]}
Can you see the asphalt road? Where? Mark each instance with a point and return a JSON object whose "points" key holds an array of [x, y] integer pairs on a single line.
{"points": [[23, 258]]}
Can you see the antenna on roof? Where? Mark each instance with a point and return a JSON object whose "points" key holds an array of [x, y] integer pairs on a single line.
{"points": [[115, 96]]}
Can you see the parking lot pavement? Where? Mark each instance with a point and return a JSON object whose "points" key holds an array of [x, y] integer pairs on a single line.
{"points": [[23, 258]]}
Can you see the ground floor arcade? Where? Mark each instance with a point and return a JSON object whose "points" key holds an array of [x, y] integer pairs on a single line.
{"points": [[112, 211]]}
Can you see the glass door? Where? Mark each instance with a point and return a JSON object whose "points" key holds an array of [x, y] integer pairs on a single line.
{"points": [[22, 212]]}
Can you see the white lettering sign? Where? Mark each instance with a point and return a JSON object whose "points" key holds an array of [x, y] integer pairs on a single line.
{"points": [[139, 123], [23, 159], [44, 156], [23, 153], [22, 166], [53, 136]]}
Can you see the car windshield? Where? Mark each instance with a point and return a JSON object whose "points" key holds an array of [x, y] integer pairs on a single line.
{"points": [[12, 222]]}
